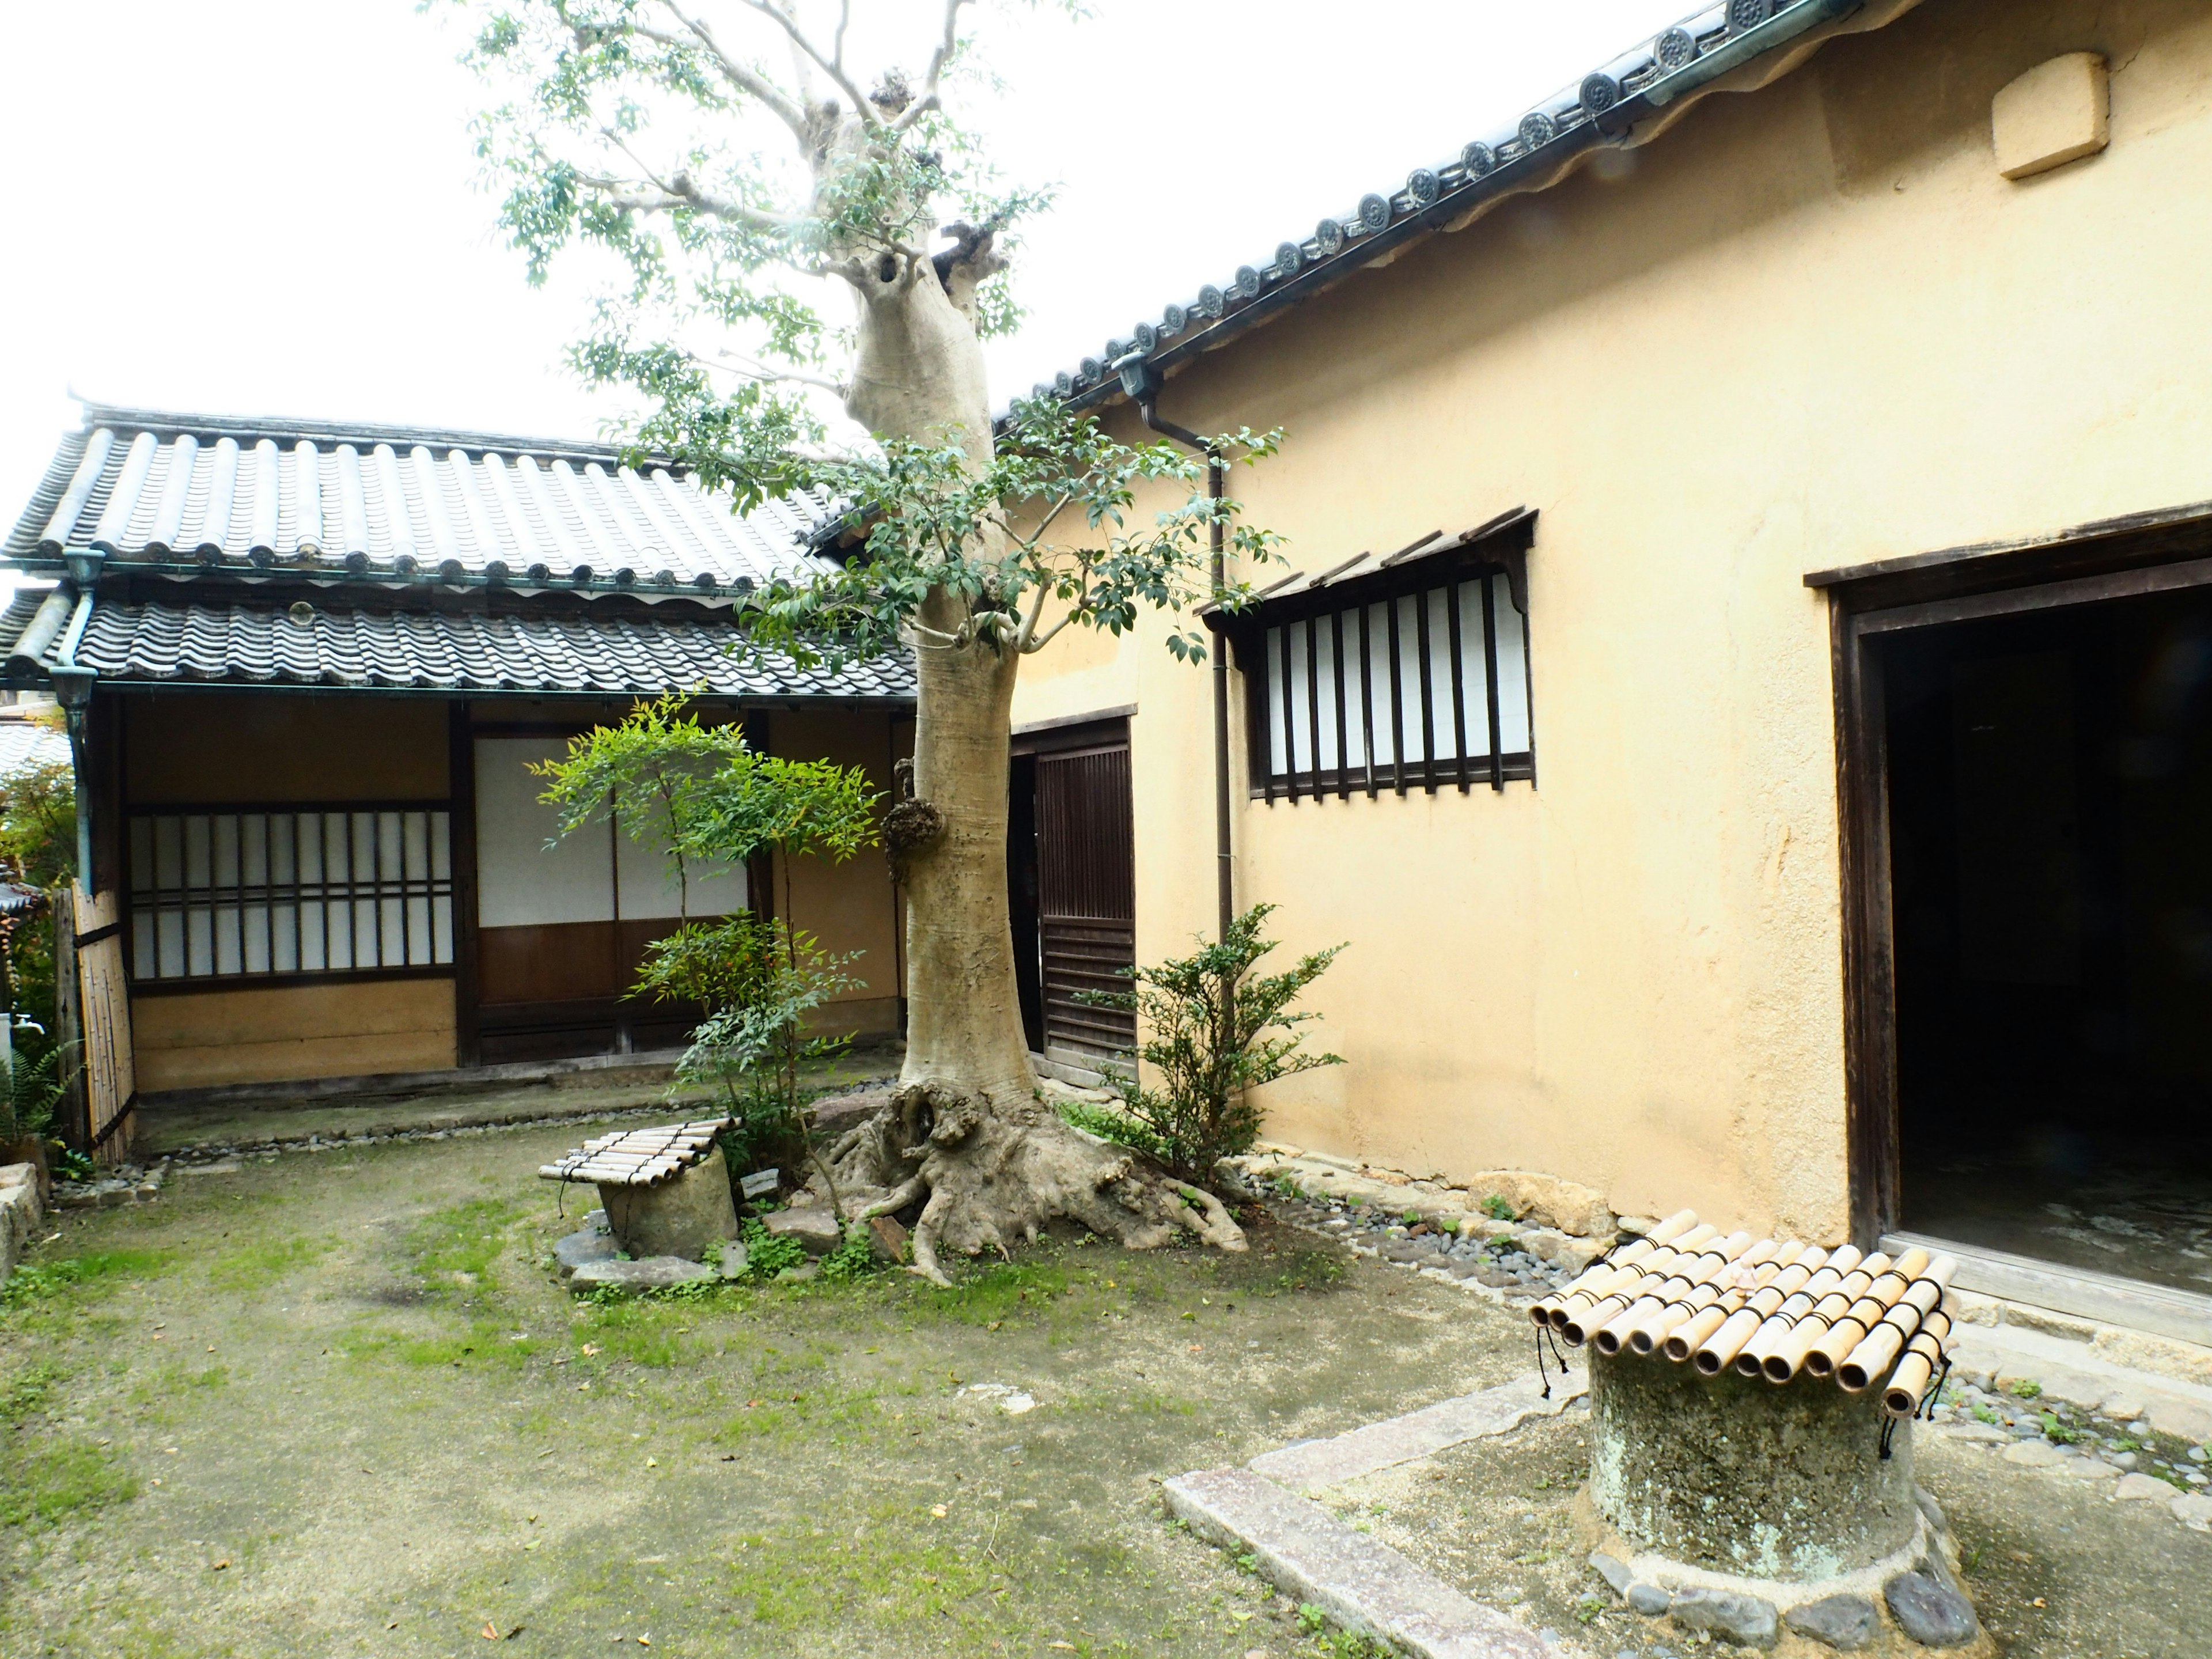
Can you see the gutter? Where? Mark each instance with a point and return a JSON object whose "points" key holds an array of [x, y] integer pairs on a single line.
{"points": [[1142, 382]]}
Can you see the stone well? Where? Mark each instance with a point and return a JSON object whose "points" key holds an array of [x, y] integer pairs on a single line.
{"points": [[1760, 1513], [1739, 1476], [679, 1215]]}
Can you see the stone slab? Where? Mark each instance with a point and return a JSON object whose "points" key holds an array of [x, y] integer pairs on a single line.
{"points": [[655, 1273], [817, 1230], [1360, 1582], [1314, 1463], [20, 1214]]}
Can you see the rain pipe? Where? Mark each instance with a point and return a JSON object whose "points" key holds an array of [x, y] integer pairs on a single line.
{"points": [[1141, 381], [73, 690]]}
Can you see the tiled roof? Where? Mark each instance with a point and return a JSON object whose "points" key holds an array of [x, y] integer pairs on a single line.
{"points": [[631, 651], [1642, 88], [27, 743], [206, 493]]}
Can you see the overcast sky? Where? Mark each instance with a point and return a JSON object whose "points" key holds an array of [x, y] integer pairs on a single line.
{"points": [[270, 207]]}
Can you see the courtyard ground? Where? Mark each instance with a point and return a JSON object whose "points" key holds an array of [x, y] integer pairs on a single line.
{"points": [[336, 1402]]}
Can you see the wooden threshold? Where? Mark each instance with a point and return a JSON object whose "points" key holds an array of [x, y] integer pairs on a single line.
{"points": [[2131, 1303]]}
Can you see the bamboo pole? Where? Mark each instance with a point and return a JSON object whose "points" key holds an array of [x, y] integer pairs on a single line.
{"points": [[1627, 1268], [1647, 1332], [1908, 1383], [1581, 1315], [1751, 1359], [1882, 1345], [1717, 1351], [1785, 1357], [1548, 1311], [1848, 1331], [1654, 1293], [1693, 1332], [1584, 1326]]}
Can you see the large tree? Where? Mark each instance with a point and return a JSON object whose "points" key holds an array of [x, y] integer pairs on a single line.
{"points": [[732, 164]]}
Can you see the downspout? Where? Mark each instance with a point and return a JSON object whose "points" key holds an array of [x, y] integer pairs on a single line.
{"points": [[73, 690], [1142, 382]]}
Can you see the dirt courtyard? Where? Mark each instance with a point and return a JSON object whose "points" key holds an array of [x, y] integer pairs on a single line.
{"points": [[337, 1403]]}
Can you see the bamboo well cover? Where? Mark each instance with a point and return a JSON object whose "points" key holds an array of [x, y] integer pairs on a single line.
{"points": [[637, 1157], [1764, 1306]]}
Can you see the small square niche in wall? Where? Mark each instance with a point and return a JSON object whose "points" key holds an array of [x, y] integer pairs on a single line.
{"points": [[2057, 113]]}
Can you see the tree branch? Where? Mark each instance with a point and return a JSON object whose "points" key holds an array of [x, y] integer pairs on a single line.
{"points": [[748, 80], [927, 98], [666, 195], [751, 368], [829, 66]]}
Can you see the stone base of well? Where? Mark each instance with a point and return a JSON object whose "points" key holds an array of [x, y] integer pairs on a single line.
{"points": [[679, 1215], [1766, 1516]]}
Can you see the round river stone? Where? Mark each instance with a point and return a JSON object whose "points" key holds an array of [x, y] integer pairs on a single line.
{"points": [[1737, 1476]]}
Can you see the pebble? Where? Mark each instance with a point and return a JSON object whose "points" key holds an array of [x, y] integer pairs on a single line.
{"points": [[2194, 1509], [1846, 1622], [1649, 1599], [1612, 1570], [1929, 1613], [2144, 1486], [1747, 1620]]}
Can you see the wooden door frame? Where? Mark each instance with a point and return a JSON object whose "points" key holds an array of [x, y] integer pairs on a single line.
{"points": [[2168, 551]]}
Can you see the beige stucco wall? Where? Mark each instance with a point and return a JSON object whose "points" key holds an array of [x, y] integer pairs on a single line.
{"points": [[1807, 327]]}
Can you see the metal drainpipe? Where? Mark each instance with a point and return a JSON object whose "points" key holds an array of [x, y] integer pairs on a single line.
{"points": [[1142, 382]]}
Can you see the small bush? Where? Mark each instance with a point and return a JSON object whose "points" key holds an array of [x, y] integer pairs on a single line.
{"points": [[1498, 1210], [1212, 1031]]}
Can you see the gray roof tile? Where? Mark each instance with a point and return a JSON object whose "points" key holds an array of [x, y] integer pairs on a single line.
{"points": [[210, 493], [337, 642]]}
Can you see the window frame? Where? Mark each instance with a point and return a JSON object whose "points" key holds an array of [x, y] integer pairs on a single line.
{"points": [[226, 906], [1326, 604]]}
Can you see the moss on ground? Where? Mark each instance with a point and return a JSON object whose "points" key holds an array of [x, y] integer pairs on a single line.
{"points": [[337, 1403]]}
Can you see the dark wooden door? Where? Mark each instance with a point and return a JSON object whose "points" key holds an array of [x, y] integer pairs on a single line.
{"points": [[1086, 897]]}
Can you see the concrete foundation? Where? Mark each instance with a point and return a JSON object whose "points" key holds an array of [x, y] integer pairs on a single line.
{"points": [[1738, 1476], [679, 1217]]}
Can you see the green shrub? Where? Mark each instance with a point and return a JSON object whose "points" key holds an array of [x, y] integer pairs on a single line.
{"points": [[1212, 1031], [1498, 1210]]}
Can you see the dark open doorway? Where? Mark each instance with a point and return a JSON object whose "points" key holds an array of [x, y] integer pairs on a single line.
{"points": [[2049, 781]]}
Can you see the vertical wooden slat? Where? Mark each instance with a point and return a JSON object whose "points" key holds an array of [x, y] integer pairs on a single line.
{"points": [[1458, 689], [1289, 724], [1367, 698], [1490, 684], [1397, 706], [1343, 763], [1313, 706], [1428, 698]]}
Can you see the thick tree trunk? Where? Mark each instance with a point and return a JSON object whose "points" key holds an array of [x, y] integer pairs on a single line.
{"points": [[967, 1135]]}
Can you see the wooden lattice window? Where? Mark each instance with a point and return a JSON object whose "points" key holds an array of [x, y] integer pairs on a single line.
{"points": [[291, 890], [1391, 677]]}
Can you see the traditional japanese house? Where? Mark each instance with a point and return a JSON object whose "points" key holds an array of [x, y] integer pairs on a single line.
{"points": [[307, 668], [1743, 680]]}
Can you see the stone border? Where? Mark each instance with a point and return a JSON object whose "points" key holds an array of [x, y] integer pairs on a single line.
{"points": [[1361, 1583]]}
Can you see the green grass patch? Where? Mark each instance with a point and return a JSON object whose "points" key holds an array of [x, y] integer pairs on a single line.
{"points": [[68, 1282], [246, 1268], [48, 1481]]}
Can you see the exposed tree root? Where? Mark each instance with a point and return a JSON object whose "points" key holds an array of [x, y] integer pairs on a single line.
{"points": [[993, 1174]]}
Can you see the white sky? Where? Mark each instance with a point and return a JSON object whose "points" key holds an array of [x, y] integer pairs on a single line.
{"points": [[269, 207]]}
